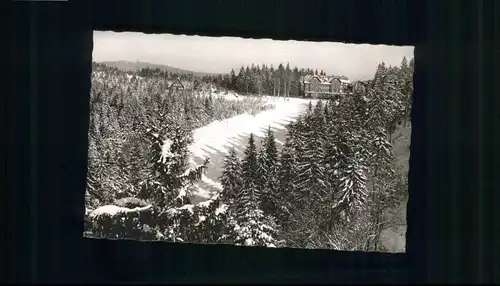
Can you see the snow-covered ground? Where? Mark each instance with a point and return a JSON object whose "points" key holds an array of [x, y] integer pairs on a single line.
{"points": [[229, 95], [215, 140]]}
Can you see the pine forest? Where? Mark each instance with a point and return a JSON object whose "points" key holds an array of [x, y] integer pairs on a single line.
{"points": [[327, 185]]}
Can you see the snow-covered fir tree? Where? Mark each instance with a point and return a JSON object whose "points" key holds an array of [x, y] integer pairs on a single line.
{"points": [[254, 229], [327, 110], [170, 179], [267, 170], [134, 163], [247, 223], [311, 184], [353, 189], [231, 177], [287, 173], [250, 195], [309, 108]]}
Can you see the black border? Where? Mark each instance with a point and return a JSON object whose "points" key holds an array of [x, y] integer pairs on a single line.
{"points": [[47, 121]]}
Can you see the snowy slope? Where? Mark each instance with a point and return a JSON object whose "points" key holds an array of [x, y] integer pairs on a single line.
{"points": [[393, 238], [215, 140], [231, 95]]}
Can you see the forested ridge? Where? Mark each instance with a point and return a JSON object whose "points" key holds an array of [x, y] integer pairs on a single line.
{"points": [[282, 80], [326, 188]]}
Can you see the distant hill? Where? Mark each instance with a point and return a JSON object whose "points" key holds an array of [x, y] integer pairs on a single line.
{"points": [[135, 66]]}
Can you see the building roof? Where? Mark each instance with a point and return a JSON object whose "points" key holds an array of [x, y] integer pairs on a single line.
{"points": [[334, 78], [322, 79], [176, 81]]}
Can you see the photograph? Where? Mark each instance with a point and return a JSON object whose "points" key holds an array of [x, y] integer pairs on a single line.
{"points": [[249, 142]]}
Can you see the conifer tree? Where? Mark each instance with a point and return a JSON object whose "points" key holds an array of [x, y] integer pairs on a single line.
{"points": [[311, 183], [170, 179], [309, 108], [268, 163], [286, 174], [353, 189], [241, 82], [248, 224], [231, 177], [135, 162], [208, 106], [255, 229], [250, 194], [249, 164], [319, 117], [326, 111], [233, 80]]}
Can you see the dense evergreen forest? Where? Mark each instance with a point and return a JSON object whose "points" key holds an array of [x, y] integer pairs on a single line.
{"points": [[254, 79], [326, 188], [125, 110]]}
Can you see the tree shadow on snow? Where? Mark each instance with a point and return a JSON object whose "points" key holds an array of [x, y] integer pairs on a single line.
{"points": [[239, 142]]}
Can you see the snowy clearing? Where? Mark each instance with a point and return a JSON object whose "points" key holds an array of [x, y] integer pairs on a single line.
{"points": [[229, 95], [215, 140]]}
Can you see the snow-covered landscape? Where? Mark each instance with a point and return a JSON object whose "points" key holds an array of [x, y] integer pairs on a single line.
{"points": [[217, 138], [274, 155]]}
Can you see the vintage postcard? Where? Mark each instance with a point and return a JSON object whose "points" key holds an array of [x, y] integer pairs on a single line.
{"points": [[250, 142]]}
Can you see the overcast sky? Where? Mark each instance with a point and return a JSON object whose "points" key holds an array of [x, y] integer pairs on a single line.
{"points": [[221, 54]]}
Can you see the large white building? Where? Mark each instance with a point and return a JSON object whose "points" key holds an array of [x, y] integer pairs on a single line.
{"points": [[323, 86]]}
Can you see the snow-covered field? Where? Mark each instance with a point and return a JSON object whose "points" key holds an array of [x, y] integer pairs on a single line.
{"points": [[215, 140]]}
